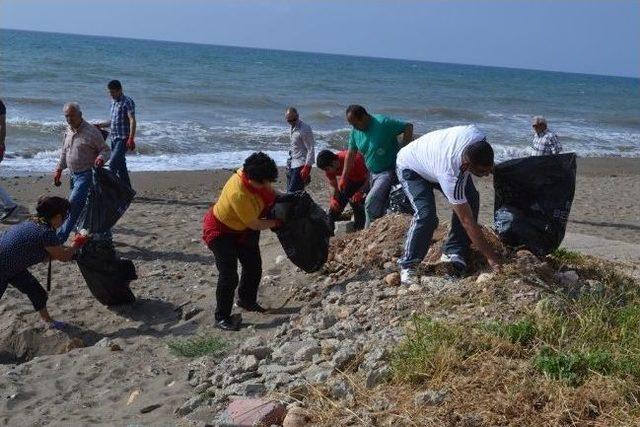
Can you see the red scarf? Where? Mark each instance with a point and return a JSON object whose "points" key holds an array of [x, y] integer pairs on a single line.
{"points": [[267, 194]]}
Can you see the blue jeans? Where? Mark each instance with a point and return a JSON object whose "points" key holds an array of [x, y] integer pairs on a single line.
{"points": [[377, 199], [118, 160], [294, 180], [425, 220], [80, 184]]}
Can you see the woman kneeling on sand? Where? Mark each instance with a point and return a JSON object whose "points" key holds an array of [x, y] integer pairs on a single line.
{"points": [[31, 242], [231, 229]]}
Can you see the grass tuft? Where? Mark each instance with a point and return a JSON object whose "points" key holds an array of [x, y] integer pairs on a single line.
{"points": [[197, 347]]}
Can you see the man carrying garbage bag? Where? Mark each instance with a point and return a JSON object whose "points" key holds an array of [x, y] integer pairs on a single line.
{"points": [[444, 160], [231, 230]]}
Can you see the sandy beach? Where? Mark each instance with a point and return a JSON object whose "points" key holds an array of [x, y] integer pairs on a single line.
{"points": [[42, 384]]}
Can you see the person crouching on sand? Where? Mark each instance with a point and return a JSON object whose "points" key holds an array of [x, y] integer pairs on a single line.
{"points": [[231, 230], [31, 242]]}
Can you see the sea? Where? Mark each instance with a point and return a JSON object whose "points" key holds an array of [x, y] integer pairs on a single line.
{"points": [[206, 106]]}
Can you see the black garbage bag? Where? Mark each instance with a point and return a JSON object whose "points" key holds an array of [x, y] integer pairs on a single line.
{"points": [[533, 198], [106, 275], [398, 201], [107, 201], [305, 232]]}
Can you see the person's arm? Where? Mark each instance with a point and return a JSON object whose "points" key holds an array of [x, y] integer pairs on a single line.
{"points": [[62, 253], [3, 135], [309, 143], [348, 165], [62, 164], [557, 148], [101, 147], [407, 134], [464, 214], [132, 124], [103, 125]]}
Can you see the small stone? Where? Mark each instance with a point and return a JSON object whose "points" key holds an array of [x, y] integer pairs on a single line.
{"points": [[190, 405], [402, 292], [343, 358], [429, 397], [378, 376], [73, 343], [415, 288], [115, 347], [306, 353], [567, 278], [250, 363], [485, 277], [255, 412], [150, 408], [392, 279], [296, 417]]}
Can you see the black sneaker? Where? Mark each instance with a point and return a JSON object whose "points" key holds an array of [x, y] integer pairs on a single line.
{"points": [[251, 307], [227, 325], [7, 212]]}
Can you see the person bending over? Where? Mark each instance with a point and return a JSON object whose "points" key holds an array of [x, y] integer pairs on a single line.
{"points": [[376, 137], [31, 242], [444, 160], [353, 189], [231, 230]]}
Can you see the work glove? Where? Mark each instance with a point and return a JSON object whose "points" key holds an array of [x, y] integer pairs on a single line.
{"points": [[57, 178], [357, 198], [305, 173], [79, 240], [334, 205], [131, 144], [99, 162]]}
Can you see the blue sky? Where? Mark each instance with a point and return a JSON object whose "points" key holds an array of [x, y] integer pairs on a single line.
{"points": [[599, 37]]}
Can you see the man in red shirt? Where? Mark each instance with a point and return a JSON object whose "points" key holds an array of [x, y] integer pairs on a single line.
{"points": [[353, 190]]}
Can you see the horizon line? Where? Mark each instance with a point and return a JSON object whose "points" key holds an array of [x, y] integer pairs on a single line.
{"points": [[621, 76]]}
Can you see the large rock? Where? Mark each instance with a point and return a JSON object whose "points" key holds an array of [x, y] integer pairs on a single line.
{"points": [[255, 412]]}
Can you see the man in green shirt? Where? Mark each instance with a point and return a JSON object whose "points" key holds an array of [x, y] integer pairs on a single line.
{"points": [[376, 138]]}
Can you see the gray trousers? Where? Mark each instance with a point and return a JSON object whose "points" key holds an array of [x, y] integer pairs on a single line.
{"points": [[377, 199], [425, 220]]}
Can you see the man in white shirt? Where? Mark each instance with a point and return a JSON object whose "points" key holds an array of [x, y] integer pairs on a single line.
{"points": [[302, 152], [544, 141], [443, 160]]}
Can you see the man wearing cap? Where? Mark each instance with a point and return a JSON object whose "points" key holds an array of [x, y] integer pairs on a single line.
{"points": [[544, 141]]}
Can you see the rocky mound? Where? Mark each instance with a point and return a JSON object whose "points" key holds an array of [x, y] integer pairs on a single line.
{"points": [[338, 361]]}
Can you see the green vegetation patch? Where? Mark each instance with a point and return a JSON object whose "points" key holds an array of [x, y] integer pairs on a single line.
{"points": [[199, 346]]}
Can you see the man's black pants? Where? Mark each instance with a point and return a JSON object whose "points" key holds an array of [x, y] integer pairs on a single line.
{"points": [[228, 250]]}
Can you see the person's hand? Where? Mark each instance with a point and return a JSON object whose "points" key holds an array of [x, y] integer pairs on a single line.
{"points": [[305, 173], [334, 205], [57, 178], [358, 198], [79, 240], [2, 149], [99, 162], [131, 144], [495, 264]]}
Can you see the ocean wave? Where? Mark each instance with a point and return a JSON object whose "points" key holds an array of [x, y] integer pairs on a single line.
{"points": [[26, 101]]}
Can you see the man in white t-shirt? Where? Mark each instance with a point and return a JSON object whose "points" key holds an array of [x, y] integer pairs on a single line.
{"points": [[443, 160]]}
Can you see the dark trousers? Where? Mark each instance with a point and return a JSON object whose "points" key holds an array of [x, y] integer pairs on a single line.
{"points": [[294, 180], [343, 198], [28, 285], [425, 220], [118, 160], [228, 250]]}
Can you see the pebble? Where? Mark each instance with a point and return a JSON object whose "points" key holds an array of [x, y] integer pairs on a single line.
{"points": [[392, 279]]}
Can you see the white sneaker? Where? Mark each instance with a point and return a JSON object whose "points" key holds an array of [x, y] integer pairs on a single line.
{"points": [[408, 276], [453, 258]]}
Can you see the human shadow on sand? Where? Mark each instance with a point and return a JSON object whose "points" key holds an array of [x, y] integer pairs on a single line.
{"points": [[142, 254], [159, 201]]}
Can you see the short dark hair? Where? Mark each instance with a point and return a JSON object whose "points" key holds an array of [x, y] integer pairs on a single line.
{"points": [[50, 206], [260, 167], [325, 158], [479, 153], [114, 85], [357, 110]]}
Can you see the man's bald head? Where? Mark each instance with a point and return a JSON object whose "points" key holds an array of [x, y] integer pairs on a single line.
{"points": [[291, 116]]}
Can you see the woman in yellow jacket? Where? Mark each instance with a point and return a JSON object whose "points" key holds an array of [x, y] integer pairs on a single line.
{"points": [[231, 229]]}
